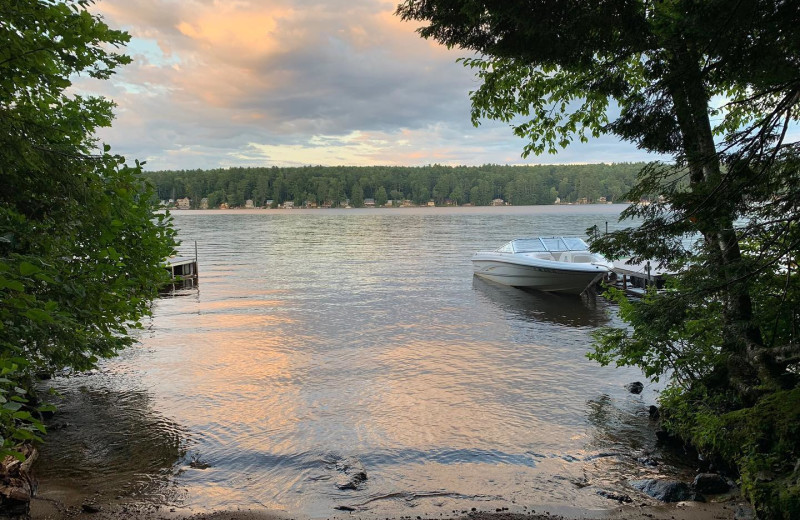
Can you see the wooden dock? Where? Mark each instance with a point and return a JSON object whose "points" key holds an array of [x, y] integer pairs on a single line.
{"points": [[634, 279], [183, 270], [181, 266]]}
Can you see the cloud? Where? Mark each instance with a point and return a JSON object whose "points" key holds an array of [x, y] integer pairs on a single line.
{"points": [[220, 83]]}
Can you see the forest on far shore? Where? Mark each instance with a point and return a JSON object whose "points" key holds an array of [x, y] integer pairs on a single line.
{"points": [[335, 186]]}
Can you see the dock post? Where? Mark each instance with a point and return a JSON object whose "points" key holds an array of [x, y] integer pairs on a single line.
{"points": [[196, 269]]}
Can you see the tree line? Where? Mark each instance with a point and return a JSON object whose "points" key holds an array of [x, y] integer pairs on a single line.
{"points": [[444, 185]]}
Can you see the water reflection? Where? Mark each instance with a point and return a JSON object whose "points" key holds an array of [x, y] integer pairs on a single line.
{"points": [[540, 306], [622, 424], [338, 339], [108, 443], [179, 287]]}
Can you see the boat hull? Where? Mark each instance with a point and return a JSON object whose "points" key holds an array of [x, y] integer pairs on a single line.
{"points": [[548, 276]]}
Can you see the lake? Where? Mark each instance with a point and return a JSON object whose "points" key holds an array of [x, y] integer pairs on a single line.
{"points": [[324, 346]]}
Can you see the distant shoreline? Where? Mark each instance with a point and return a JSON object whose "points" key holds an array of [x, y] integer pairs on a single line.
{"points": [[604, 209]]}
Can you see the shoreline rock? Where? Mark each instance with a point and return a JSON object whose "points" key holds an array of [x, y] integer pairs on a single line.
{"points": [[635, 388], [667, 490], [711, 484]]}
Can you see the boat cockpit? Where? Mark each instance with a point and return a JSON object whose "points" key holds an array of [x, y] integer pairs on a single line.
{"points": [[559, 249]]}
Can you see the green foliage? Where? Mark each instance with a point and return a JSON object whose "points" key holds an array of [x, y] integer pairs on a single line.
{"points": [[727, 216], [521, 185], [668, 336], [80, 246], [761, 442], [357, 196], [510, 89], [381, 198]]}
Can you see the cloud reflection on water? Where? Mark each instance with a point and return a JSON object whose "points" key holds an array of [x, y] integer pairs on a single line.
{"points": [[335, 336]]}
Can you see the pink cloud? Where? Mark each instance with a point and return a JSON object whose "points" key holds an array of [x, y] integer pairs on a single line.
{"points": [[216, 83]]}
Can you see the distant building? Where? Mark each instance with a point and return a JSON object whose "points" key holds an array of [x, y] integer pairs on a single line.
{"points": [[184, 203], [601, 200], [498, 202], [431, 203], [370, 203], [583, 200], [406, 203], [557, 201], [224, 205], [269, 203], [288, 204], [249, 204], [204, 203]]}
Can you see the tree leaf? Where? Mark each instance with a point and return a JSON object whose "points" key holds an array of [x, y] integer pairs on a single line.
{"points": [[27, 269]]}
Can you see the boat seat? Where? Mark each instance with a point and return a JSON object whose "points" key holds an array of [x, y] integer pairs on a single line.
{"points": [[566, 256]]}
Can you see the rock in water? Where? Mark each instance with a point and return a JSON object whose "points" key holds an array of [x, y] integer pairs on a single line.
{"points": [[351, 481], [666, 490], [635, 388], [711, 484], [352, 474], [619, 497]]}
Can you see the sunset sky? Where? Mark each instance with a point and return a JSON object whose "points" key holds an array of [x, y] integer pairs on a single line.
{"points": [[218, 83]]}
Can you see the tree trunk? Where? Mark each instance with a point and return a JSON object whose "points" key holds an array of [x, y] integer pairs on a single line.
{"points": [[742, 341]]}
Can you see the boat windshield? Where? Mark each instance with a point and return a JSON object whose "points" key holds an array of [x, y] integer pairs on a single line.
{"points": [[528, 245], [535, 245], [575, 244]]}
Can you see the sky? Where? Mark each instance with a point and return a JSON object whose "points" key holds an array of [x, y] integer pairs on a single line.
{"points": [[220, 83]]}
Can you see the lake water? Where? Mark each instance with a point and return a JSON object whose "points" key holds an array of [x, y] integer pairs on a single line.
{"points": [[320, 344]]}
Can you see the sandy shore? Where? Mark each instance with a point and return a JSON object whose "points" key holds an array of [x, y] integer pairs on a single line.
{"points": [[43, 508]]}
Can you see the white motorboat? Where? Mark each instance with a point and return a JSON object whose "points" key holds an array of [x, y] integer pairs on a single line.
{"points": [[557, 264]]}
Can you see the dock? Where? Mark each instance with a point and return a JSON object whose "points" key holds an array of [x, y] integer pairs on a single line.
{"points": [[183, 270], [181, 266], [634, 279]]}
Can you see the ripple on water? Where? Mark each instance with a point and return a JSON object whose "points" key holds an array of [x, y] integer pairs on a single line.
{"points": [[318, 338]]}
